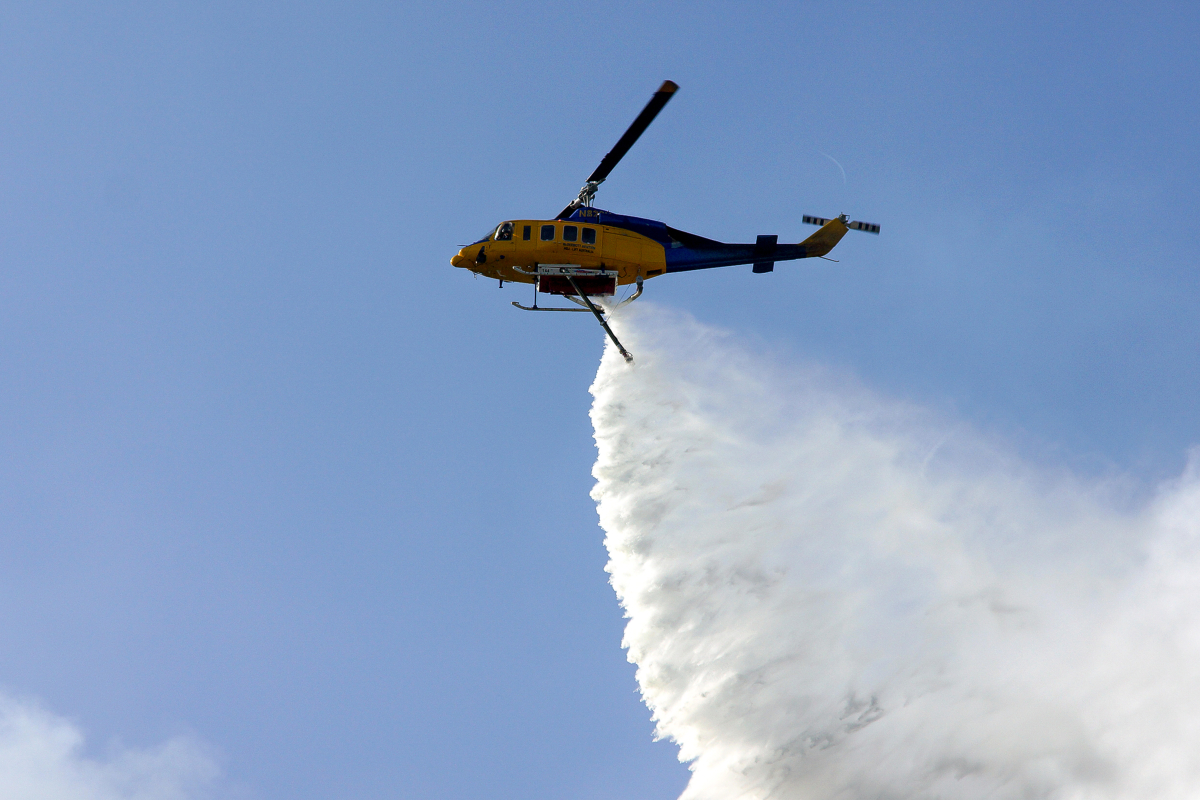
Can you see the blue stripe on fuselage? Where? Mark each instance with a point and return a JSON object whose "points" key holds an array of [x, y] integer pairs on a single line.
{"points": [[686, 251]]}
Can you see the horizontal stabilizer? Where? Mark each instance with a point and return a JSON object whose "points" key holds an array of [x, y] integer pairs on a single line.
{"points": [[764, 250]]}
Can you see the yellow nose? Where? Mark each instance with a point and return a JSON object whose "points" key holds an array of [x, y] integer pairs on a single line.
{"points": [[462, 259]]}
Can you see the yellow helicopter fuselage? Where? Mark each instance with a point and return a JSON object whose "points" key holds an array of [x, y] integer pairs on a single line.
{"points": [[632, 247], [510, 255]]}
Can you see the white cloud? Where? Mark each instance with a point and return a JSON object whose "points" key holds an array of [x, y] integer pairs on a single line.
{"points": [[42, 758], [832, 595]]}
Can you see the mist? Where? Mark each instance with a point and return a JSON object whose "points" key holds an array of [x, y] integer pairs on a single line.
{"points": [[832, 594], [43, 756]]}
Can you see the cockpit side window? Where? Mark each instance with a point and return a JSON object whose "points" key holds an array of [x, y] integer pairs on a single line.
{"points": [[504, 232]]}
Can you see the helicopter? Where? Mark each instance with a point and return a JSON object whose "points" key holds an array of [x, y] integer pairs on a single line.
{"points": [[587, 252]]}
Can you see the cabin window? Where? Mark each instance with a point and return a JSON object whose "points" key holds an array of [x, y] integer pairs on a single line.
{"points": [[547, 233], [570, 233], [525, 233], [589, 235], [504, 232]]}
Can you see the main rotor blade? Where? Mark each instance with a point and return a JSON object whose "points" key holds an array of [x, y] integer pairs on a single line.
{"points": [[660, 98], [622, 146]]}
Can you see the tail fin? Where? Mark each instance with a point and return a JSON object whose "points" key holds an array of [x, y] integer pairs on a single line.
{"points": [[821, 242], [832, 231]]}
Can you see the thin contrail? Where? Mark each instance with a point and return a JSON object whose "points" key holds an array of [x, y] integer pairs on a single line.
{"points": [[839, 166]]}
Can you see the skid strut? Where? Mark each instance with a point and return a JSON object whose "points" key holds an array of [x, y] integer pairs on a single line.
{"points": [[537, 276]]}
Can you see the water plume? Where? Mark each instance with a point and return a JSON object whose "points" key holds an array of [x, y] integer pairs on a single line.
{"points": [[835, 595]]}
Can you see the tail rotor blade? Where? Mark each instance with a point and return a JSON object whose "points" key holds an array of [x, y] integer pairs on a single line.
{"points": [[866, 227]]}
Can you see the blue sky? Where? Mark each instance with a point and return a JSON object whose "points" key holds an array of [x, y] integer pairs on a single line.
{"points": [[277, 477]]}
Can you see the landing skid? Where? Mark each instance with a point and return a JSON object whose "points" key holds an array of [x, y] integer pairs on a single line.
{"points": [[536, 307], [588, 305]]}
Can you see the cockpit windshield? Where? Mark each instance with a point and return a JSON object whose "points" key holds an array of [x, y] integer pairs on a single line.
{"points": [[501, 233]]}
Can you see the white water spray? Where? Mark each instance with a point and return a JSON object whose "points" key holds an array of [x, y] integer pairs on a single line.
{"points": [[835, 596]]}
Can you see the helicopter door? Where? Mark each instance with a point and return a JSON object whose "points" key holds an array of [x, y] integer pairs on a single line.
{"points": [[623, 250], [547, 239], [502, 246], [591, 242]]}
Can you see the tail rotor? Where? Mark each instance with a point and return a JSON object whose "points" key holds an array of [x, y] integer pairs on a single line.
{"points": [[865, 227]]}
